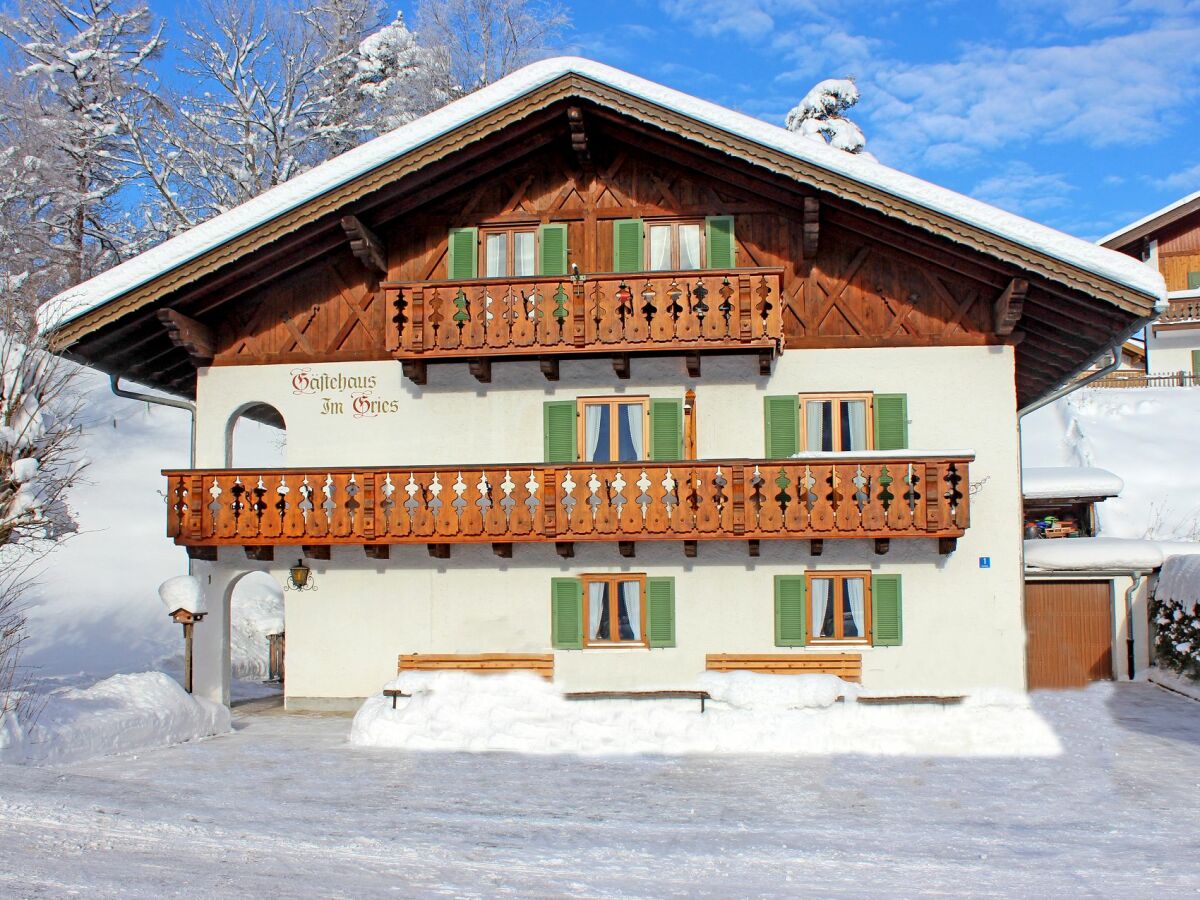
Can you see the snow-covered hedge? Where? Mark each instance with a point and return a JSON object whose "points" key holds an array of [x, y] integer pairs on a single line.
{"points": [[1176, 613]]}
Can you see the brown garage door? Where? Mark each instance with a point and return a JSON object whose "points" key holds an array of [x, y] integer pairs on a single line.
{"points": [[1069, 625]]}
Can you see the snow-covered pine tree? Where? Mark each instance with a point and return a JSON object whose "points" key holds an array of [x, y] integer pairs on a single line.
{"points": [[395, 77], [476, 42], [821, 115], [80, 65]]}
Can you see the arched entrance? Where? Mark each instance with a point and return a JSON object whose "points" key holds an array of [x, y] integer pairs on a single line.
{"points": [[256, 438]]}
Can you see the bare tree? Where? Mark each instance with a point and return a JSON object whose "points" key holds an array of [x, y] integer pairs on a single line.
{"points": [[480, 41]]}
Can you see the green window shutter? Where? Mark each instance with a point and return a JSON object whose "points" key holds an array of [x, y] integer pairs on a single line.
{"points": [[666, 429], [627, 245], [566, 613], [886, 627], [558, 423], [1193, 280], [1196, 362], [718, 241], [782, 418], [660, 612], [462, 256], [891, 421], [790, 615], [553, 250]]}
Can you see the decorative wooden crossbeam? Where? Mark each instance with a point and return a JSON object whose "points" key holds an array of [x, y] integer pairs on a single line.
{"points": [[194, 338], [579, 141], [366, 247], [1009, 306], [811, 229]]}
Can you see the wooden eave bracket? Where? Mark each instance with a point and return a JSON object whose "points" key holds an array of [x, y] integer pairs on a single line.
{"points": [[1010, 305], [811, 230], [579, 142], [366, 247], [194, 338]]}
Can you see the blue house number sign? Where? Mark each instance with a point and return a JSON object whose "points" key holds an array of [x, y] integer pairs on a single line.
{"points": [[985, 562]]}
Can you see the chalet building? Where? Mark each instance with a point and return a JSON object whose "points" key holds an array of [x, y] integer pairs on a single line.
{"points": [[585, 375], [1169, 241]]}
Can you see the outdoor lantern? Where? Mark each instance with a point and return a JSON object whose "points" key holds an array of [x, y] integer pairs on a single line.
{"points": [[300, 578]]}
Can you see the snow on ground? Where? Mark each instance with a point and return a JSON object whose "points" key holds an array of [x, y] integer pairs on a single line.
{"points": [[121, 714], [1148, 437], [284, 806], [522, 713], [1053, 482]]}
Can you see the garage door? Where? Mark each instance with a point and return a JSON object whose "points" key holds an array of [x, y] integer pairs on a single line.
{"points": [[1069, 625]]}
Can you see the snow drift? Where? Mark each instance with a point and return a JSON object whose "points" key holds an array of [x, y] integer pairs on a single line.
{"points": [[1176, 613], [780, 714], [1053, 482], [118, 715]]}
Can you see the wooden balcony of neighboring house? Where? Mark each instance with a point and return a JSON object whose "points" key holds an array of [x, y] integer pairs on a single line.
{"points": [[1183, 312], [877, 496], [618, 315]]}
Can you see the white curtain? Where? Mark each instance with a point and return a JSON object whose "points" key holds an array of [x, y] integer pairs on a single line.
{"points": [[497, 255], [821, 588], [689, 246], [593, 419], [596, 601], [856, 413], [660, 248], [523, 253], [632, 414], [854, 589], [814, 420], [631, 594]]}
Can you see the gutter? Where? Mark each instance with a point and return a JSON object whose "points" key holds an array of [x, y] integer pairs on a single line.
{"points": [[189, 406]]}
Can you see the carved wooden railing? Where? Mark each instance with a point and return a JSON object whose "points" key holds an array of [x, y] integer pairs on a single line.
{"points": [[830, 497], [1181, 311], [719, 308]]}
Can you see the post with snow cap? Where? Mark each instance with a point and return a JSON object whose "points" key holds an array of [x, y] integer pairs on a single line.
{"points": [[184, 599]]}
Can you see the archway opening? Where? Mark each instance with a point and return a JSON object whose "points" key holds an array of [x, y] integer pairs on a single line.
{"points": [[255, 614], [256, 438]]}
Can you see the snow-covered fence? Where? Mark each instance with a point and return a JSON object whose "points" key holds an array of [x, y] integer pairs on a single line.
{"points": [[1176, 614]]}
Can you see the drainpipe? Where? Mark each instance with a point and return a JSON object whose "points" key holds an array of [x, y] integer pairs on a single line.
{"points": [[1129, 592], [114, 381]]}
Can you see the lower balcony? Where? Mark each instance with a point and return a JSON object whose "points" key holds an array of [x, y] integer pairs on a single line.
{"points": [[877, 495]]}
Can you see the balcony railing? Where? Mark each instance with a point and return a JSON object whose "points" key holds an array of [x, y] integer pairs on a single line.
{"points": [[1181, 311], [605, 313], [874, 496]]}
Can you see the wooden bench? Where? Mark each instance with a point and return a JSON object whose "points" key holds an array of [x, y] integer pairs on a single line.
{"points": [[479, 663], [847, 666], [702, 696]]}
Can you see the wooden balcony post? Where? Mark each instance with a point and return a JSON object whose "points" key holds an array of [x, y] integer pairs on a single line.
{"points": [[745, 310], [416, 321], [367, 510], [579, 314], [738, 499], [549, 504]]}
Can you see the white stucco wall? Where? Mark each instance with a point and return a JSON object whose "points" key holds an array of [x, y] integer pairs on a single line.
{"points": [[1168, 352], [963, 625]]}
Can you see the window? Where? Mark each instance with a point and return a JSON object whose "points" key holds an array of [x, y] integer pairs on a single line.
{"points": [[613, 609], [508, 252], [613, 430], [836, 422], [839, 606], [674, 246]]}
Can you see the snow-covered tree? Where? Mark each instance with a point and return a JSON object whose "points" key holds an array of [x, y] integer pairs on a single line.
{"points": [[476, 42], [821, 115], [395, 77], [78, 64]]}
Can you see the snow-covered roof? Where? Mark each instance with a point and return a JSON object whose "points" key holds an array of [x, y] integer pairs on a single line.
{"points": [[203, 238], [1169, 213], [1067, 482], [1092, 554]]}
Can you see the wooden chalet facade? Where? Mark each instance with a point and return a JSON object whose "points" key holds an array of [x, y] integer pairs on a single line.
{"points": [[586, 370], [1169, 241]]}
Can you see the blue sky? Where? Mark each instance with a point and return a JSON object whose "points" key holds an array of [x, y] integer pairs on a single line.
{"points": [[1077, 113]]}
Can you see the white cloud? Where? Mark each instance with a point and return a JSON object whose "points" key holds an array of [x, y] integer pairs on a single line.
{"points": [[1022, 189], [1186, 181]]}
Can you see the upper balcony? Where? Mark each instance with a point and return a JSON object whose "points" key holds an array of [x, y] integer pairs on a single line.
{"points": [[615, 314], [884, 495]]}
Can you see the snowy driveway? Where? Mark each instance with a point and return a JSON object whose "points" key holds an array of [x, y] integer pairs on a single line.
{"points": [[285, 807]]}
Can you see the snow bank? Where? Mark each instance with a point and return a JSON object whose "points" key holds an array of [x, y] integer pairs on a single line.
{"points": [[351, 165], [118, 715], [1050, 483], [780, 714], [1176, 615], [183, 592], [1071, 554]]}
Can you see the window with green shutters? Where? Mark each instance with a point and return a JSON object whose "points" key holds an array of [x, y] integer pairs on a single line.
{"points": [[790, 611], [782, 425], [628, 237], [891, 421], [666, 429], [721, 249], [1193, 281], [886, 613], [559, 429], [552, 254], [566, 613], [1196, 362], [462, 254], [660, 612]]}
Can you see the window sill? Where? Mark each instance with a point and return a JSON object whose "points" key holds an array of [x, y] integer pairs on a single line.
{"points": [[818, 642], [616, 645]]}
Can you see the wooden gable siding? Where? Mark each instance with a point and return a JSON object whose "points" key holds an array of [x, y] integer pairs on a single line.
{"points": [[861, 289], [1179, 251]]}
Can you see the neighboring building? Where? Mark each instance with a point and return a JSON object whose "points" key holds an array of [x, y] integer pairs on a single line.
{"points": [[586, 369], [1169, 240]]}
